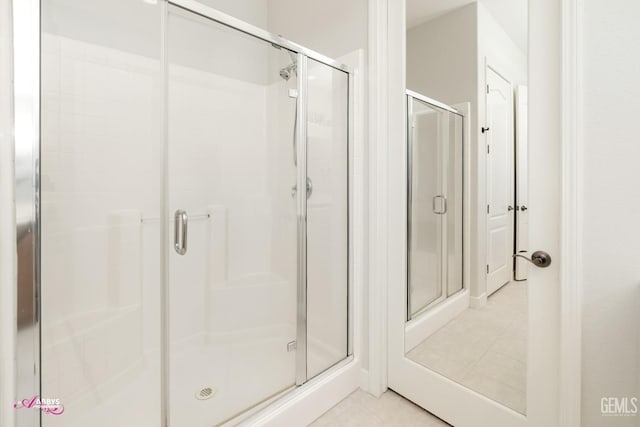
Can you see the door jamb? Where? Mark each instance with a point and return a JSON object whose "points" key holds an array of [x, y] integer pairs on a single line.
{"points": [[571, 223]]}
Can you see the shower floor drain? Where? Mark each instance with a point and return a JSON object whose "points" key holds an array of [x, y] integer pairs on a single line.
{"points": [[205, 393]]}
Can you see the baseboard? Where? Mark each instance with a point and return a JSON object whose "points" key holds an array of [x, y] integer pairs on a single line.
{"points": [[417, 330], [477, 302], [364, 379]]}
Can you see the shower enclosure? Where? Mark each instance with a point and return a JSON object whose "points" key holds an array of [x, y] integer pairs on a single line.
{"points": [[435, 224], [193, 215]]}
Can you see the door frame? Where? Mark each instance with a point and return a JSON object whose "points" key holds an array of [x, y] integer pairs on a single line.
{"points": [[554, 59], [521, 182]]}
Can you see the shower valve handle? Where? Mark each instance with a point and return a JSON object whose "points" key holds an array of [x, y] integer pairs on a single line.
{"points": [[294, 189]]}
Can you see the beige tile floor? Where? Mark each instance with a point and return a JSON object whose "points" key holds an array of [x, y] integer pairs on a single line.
{"points": [[360, 409], [484, 349]]}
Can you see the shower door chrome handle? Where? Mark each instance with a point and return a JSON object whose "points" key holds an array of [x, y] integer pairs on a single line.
{"points": [[444, 205], [180, 221]]}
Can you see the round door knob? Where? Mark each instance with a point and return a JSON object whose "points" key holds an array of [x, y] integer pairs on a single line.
{"points": [[509, 208], [541, 259], [523, 208]]}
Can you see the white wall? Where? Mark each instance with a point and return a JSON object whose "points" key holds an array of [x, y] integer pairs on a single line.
{"points": [[441, 57], [331, 27], [499, 49], [611, 208], [512, 15], [252, 11]]}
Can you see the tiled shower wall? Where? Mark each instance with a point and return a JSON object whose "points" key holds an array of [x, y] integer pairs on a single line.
{"points": [[100, 178]]}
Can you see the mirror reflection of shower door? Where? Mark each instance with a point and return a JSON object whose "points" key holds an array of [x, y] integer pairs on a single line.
{"points": [[435, 205], [232, 170], [426, 206], [454, 191]]}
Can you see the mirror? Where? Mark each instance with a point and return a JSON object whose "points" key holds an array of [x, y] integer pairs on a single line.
{"points": [[467, 200]]}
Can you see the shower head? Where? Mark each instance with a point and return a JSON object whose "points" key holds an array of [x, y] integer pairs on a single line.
{"points": [[285, 73]]}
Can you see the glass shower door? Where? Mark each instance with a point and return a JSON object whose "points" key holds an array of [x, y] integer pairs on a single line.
{"points": [[100, 183], [435, 204], [327, 216], [232, 172]]}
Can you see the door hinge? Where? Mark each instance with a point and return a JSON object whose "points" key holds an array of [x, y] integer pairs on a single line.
{"points": [[487, 208], [487, 88], [488, 149], [487, 268]]}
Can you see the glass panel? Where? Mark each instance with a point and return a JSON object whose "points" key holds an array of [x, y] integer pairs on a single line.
{"points": [[428, 127], [327, 217], [101, 185], [232, 170], [454, 204]]}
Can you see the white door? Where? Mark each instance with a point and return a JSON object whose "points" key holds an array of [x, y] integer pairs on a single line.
{"points": [[499, 137], [522, 183]]}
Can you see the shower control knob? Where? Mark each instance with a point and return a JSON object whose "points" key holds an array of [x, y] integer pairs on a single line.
{"points": [[309, 187], [294, 189]]}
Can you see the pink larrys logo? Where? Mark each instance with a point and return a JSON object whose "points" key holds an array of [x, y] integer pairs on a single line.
{"points": [[48, 406]]}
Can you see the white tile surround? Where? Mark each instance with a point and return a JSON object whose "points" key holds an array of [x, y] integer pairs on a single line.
{"points": [[99, 160], [484, 348]]}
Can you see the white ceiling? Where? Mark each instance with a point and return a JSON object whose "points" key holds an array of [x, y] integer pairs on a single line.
{"points": [[510, 14]]}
